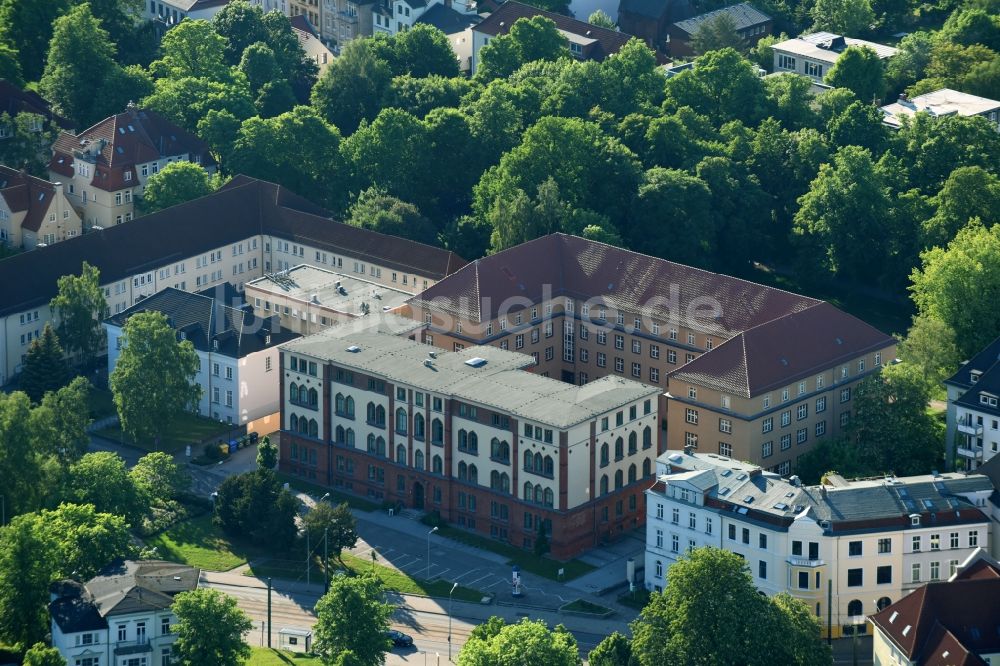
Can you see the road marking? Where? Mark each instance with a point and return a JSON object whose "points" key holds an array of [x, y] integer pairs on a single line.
{"points": [[467, 573], [471, 583]]}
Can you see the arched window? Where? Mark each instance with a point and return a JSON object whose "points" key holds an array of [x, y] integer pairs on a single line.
{"points": [[538, 462], [527, 491], [338, 434], [293, 423], [349, 437], [495, 480], [505, 483], [349, 407], [380, 416], [647, 437], [463, 440], [371, 445], [854, 608], [495, 449], [883, 603], [418, 426], [548, 466], [619, 477], [380, 446], [437, 432], [647, 466], [633, 442], [313, 428], [631, 473], [538, 495], [293, 393], [549, 499], [463, 471], [313, 398], [303, 425], [401, 421], [371, 412], [339, 405], [418, 459], [438, 466], [604, 455], [401, 454], [619, 449], [527, 461], [473, 474], [604, 485], [473, 443]]}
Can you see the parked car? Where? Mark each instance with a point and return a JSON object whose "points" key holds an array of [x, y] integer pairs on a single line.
{"points": [[399, 639]]}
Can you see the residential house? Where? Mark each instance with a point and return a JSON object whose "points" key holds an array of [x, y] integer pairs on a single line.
{"points": [[168, 13], [311, 43], [394, 16], [307, 8], [306, 299], [469, 434], [244, 230], [847, 549], [743, 368], [237, 351], [457, 26], [947, 622], [813, 55], [750, 23], [106, 166], [344, 20], [122, 616], [14, 100], [586, 41], [650, 20], [34, 211], [973, 418], [943, 102]]}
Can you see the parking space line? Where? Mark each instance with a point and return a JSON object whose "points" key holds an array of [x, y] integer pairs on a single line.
{"points": [[467, 573], [479, 579]]}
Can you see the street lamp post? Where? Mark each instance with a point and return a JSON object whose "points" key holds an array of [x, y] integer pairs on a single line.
{"points": [[428, 576], [326, 559], [450, 592]]}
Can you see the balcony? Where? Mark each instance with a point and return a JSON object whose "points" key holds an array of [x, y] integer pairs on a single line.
{"points": [[796, 561], [975, 454], [968, 426], [133, 647]]}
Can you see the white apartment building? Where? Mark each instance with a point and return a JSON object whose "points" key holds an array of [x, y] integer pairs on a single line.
{"points": [[973, 433], [243, 231], [122, 616], [846, 549], [34, 212], [942, 102], [237, 351], [171, 12], [813, 55]]}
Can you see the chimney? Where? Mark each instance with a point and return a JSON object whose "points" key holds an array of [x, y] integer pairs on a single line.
{"points": [[688, 450], [796, 481]]}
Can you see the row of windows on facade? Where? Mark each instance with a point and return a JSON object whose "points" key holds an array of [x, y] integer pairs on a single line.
{"points": [[767, 448], [633, 446], [647, 471]]}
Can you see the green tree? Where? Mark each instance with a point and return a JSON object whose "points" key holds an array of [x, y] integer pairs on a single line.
{"points": [[390, 150], [853, 18], [188, 100], [723, 85], [192, 49], [671, 218], [951, 281], [910, 62], [176, 183], [970, 192], [860, 70], [20, 454], [79, 307], [717, 33], [334, 523], [254, 505], [932, 148], [25, 147], [528, 641], [929, 346], [353, 616], [59, 423], [601, 19], [26, 27], [241, 25], [859, 124], [791, 100], [802, 629], [267, 454], [10, 68], [41, 655], [762, 54], [259, 65], [158, 477], [352, 87], [421, 96], [219, 128], [614, 650], [970, 26], [378, 211], [423, 51], [102, 480], [528, 40], [153, 380], [210, 628], [44, 367]]}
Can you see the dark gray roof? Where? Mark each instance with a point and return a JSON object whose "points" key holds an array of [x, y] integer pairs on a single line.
{"points": [[73, 609], [985, 360], [205, 320], [989, 382], [744, 15], [653, 9], [448, 20]]}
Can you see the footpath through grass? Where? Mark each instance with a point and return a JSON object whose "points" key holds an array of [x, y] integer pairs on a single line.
{"points": [[528, 561], [272, 657], [318, 491], [200, 543], [187, 429]]}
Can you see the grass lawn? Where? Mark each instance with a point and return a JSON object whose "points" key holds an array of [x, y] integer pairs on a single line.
{"points": [[636, 600], [187, 429], [271, 657], [582, 606], [318, 491], [391, 578], [528, 561], [101, 403], [199, 543]]}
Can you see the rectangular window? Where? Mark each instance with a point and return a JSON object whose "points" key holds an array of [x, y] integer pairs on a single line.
{"points": [[766, 449], [855, 577], [768, 424], [883, 575], [884, 546], [762, 569]]}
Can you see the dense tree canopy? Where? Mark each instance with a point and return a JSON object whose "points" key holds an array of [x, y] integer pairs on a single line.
{"points": [[526, 642], [210, 628], [79, 307], [353, 616], [176, 183]]}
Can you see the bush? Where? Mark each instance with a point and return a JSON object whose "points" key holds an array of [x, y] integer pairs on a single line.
{"points": [[433, 519]]}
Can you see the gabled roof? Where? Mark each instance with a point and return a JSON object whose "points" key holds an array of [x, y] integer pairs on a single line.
{"points": [[783, 350], [947, 622], [211, 324], [448, 20], [744, 15], [301, 23], [499, 22], [14, 100], [244, 207], [985, 360], [25, 193]]}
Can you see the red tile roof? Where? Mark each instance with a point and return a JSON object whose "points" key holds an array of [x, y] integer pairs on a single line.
{"points": [[13, 101], [124, 140], [24, 192]]}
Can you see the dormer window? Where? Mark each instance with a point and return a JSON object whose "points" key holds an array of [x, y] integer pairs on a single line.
{"points": [[988, 400], [974, 376], [128, 176]]}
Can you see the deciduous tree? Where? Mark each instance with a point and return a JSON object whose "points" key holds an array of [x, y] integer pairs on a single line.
{"points": [[614, 650], [378, 211], [929, 346], [717, 33], [26, 27], [601, 19], [352, 87], [79, 307], [860, 70], [210, 628], [335, 523], [41, 655], [176, 183], [153, 381], [671, 218], [158, 477], [192, 49], [970, 192], [528, 40], [423, 51], [853, 18], [527, 642], [353, 616], [102, 480], [254, 505]]}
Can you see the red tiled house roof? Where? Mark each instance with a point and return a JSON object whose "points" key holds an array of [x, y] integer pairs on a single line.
{"points": [[24, 192]]}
